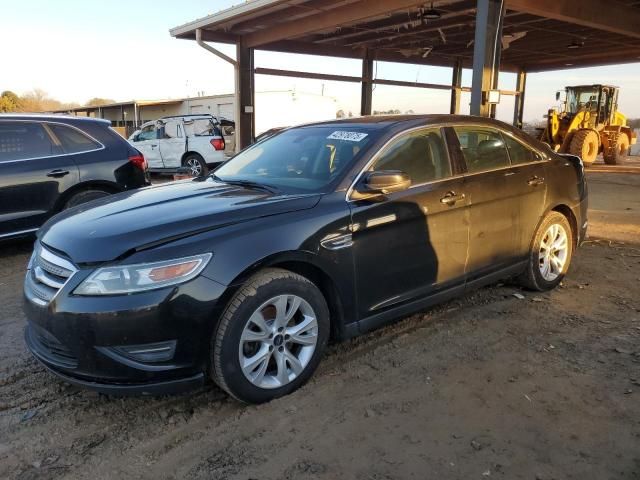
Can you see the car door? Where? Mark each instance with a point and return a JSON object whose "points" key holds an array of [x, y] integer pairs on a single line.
{"points": [[172, 143], [493, 202], [147, 142], [526, 179], [33, 173], [410, 244]]}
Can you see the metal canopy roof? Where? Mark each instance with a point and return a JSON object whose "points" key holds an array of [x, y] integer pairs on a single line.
{"points": [[538, 35]]}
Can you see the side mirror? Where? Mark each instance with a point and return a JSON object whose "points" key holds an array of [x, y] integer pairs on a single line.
{"points": [[558, 95], [381, 183]]}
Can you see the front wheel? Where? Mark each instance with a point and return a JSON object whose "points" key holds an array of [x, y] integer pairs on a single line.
{"points": [[550, 255], [586, 145], [271, 337]]}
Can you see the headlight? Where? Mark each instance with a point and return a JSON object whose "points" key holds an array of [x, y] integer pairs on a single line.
{"points": [[123, 279]]}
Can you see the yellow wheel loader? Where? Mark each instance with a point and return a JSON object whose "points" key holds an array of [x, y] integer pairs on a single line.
{"points": [[588, 124]]}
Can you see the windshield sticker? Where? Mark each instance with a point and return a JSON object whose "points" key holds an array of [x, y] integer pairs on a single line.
{"points": [[348, 136]]}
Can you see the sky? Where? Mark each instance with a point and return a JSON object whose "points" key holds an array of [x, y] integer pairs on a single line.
{"points": [[79, 49]]}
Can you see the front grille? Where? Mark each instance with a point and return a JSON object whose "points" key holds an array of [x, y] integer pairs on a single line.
{"points": [[50, 348], [48, 274]]}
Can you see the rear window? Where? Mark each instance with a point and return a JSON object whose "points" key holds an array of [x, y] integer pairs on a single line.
{"points": [[23, 140], [73, 140]]}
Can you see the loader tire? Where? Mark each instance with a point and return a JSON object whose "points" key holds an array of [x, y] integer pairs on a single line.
{"points": [[585, 144], [618, 149]]}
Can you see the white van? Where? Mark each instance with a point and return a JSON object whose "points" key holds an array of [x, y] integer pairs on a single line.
{"points": [[193, 141]]}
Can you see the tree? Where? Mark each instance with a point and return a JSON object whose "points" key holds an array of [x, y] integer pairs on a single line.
{"points": [[9, 102], [340, 114], [38, 100], [97, 101]]}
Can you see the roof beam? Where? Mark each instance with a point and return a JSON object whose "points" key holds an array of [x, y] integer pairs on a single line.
{"points": [[391, 26], [603, 15], [351, 13]]}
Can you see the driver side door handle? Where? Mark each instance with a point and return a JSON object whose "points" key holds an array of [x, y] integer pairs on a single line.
{"points": [[451, 198], [535, 180], [57, 173]]}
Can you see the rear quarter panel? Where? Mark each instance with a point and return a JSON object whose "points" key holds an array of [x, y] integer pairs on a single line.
{"points": [[110, 165], [566, 186], [202, 146]]}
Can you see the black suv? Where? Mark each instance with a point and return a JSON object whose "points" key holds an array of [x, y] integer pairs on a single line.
{"points": [[49, 163], [321, 231]]}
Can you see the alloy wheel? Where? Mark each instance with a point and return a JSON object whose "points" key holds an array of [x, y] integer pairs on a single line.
{"points": [[195, 168], [278, 341], [554, 250]]}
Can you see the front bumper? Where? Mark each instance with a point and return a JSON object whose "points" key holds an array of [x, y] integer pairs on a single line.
{"points": [[95, 342]]}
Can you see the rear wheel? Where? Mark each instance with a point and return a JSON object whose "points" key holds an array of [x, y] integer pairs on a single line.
{"points": [[196, 165], [84, 197], [271, 337], [551, 253], [618, 150], [585, 144]]}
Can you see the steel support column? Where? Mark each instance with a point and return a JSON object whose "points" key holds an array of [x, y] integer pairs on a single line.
{"points": [[245, 96], [366, 99], [456, 84], [518, 108], [486, 54]]}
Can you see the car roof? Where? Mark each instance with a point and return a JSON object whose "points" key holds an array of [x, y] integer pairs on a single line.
{"points": [[394, 124], [191, 115], [49, 117], [408, 121]]}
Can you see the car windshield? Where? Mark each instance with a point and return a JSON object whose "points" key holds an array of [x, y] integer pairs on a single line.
{"points": [[305, 159]]}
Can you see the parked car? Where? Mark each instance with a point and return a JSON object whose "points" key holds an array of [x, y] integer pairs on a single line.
{"points": [[49, 163], [193, 141], [320, 232]]}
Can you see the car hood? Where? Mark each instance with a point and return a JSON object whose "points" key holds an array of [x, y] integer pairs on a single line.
{"points": [[108, 228]]}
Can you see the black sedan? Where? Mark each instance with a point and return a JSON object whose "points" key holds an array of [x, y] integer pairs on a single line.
{"points": [[321, 232], [52, 162]]}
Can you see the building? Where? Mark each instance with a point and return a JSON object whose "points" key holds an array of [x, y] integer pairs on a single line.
{"points": [[277, 109], [486, 36]]}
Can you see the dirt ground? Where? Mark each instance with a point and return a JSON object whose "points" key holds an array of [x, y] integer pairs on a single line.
{"points": [[486, 386]]}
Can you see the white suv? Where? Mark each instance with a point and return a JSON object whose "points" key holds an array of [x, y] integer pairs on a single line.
{"points": [[192, 141]]}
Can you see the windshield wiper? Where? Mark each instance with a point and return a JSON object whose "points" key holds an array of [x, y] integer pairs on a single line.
{"points": [[247, 183]]}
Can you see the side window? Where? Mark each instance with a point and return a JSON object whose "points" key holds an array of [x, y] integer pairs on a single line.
{"points": [[22, 140], [171, 129], [148, 133], [518, 152], [483, 148], [72, 140], [421, 155]]}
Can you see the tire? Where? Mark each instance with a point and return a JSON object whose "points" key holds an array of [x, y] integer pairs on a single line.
{"points": [[533, 277], [618, 151], [84, 197], [585, 144], [238, 339], [196, 164]]}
